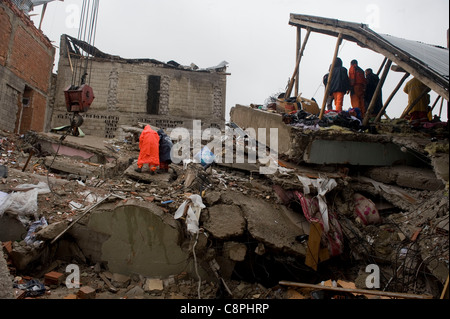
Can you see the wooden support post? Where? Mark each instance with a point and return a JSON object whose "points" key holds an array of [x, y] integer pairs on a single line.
{"points": [[327, 89], [435, 102], [444, 294], [42, 15], [70, 61], [357, 291], [377, 92], [413, 103], [440, 109], [381, 66], [399, 85], [299, 57], [297, 76]]}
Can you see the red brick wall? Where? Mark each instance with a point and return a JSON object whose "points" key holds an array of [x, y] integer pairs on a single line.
{"points": [[27, 57], [5, 31], [30, 61], [38, 109]]}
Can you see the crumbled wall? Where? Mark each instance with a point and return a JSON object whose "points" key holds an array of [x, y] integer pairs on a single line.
{"points": [[26, 61], [121, 91]]}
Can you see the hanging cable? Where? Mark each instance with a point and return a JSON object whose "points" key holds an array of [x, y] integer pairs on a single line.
{"points": [[87, 34]]}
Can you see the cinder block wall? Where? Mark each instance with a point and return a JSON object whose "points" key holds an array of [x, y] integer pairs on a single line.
{"points": [[26, 61], [120, 89]]}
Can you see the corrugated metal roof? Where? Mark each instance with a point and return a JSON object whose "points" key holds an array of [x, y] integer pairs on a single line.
{"points": [[428, 63], [433, 56]]}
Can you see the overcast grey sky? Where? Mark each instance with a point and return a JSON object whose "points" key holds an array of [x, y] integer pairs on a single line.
{"points": [[253, 36]]}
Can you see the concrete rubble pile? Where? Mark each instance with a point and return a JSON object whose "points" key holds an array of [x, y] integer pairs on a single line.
{"points": [[220, 231]]}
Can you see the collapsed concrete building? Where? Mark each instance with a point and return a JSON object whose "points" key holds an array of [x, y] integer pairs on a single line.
{"points": [[209, 232]]}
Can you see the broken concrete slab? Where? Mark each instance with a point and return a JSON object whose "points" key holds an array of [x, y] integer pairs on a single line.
{"points": [[134, 237], [440, 164], [162, 180], [88, 148], [406, 176], [76, 168], [52, 230], [331, 151], [267, 223], [211, 198], [23, 255], [11, 229], [225, 221]]}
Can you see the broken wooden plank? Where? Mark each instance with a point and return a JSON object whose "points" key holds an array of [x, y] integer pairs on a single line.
{"points": [[445, 291], [327, 89], [312, 254], [298, 48], [299, 58], [358, 291], [399, 85], [376, 93], [324, 254]]}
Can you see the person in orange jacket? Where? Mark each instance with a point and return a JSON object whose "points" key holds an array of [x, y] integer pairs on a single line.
{"points": [[149, 149], [358, 84], [339, 84]]}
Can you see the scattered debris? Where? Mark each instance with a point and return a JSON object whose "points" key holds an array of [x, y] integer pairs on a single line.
{"points": [[239, 231]]}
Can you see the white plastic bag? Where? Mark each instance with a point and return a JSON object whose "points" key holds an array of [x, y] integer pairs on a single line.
{"points": [[195, 205], [24, 203]]}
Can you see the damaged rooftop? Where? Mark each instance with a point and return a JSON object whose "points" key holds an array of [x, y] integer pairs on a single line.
{"points": [[340, 195]]}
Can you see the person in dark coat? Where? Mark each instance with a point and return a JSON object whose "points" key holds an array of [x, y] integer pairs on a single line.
{"points": [[165, 148], [339, 84], [372, 83]]}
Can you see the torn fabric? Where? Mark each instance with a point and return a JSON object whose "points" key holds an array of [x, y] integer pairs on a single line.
{"points": [[191, 208], [323, 186], [311, 210]]}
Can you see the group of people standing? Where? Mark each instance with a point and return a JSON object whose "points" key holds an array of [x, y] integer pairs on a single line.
{"points": [[360, 84], [155, 150]]}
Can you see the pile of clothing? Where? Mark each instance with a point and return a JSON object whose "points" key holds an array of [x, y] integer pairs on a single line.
{"points": [[307, 120]]}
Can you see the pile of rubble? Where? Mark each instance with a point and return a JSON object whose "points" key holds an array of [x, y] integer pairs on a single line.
{"points": [[248, 232]]}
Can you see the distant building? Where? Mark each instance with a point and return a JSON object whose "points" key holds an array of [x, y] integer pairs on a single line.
{"points": [[128, 91], [26, 63]]}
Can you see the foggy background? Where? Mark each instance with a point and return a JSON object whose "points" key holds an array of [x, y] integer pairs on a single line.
{"points": [[254, 37]]}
